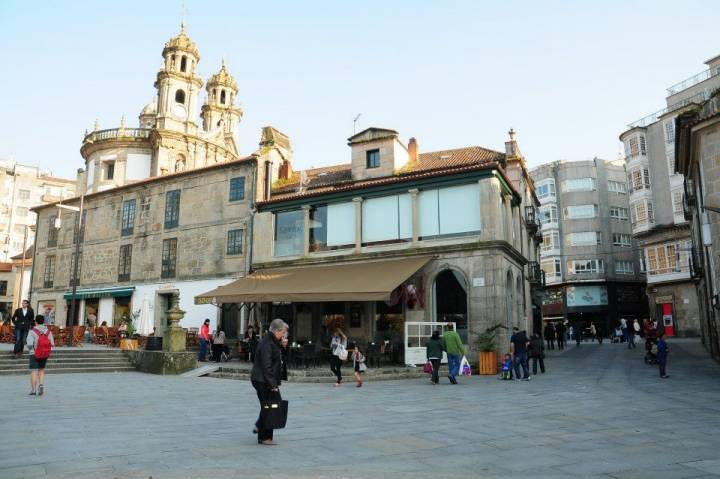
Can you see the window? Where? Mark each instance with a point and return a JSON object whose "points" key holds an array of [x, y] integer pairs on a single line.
{"points": [[551, 268], [49, 275], [332, 226], [585, 266], [172, 209], [579, 184], [180, 97], [620, 239], [633, 146], [75, 275], [548, 214], [643, 150], [670, 156], [128, 217], [551, 240], [169, 258], [581, 212], [372, 158], [237, 188], [234, 242], [183, 63], [545, 189], [640, 179], [624, 267], [222, 97], [19, 229], [618, 187], [642, 212], [110, 170], [289, 233], [52, 232], [670, 131], [24, 194], [389, 219], [664, 259], [21, 211], [618, 213], [439, 214], [125, 262], [80, 236], [3, 288], [585, 238], [677, 201]]}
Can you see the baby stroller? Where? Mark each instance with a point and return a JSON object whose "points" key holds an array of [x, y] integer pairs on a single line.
{"points": [[651, 351]]}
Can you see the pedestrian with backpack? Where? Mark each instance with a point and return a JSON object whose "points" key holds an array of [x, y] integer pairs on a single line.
{"points": [[40, 342]]}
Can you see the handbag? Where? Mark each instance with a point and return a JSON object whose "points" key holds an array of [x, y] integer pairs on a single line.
{"points": [[362, 367], [428, 368], [341, 352], [274, 414]]}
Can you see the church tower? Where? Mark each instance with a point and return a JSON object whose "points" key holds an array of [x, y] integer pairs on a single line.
{"points": [[219, 112], [178, 85]]}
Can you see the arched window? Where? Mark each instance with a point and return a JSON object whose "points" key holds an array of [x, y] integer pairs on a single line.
{"points": [[450, 299], [222, 97], [183, 63], [172, 62], [214, 95], [180, 96]]}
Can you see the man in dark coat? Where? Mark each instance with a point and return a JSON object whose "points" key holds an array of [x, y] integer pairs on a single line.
{"points": [[561, 335], [23, 319], [550, 335], [266, 374]]}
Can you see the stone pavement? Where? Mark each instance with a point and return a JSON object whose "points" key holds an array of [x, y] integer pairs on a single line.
{"points": [[599, 412]]}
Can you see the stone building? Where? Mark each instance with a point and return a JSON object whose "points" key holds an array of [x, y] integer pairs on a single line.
{"points": [[697, 148], [14, 282], [21, 188], [395, 244], [166, 207], [590, 259], [656, 204]]}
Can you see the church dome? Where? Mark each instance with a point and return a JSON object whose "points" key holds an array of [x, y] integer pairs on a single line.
{"points": [[222, 78], [149, 109], [181, 42]]}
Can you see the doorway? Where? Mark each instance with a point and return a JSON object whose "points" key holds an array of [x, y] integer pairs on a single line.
{"points": [[450, 299]]}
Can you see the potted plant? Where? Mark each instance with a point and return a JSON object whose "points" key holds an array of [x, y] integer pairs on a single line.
{"points": [[129, 342], [487, 347]]}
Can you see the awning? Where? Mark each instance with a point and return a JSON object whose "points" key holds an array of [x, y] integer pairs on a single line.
{"points": [[100, 293], [359, 281]]}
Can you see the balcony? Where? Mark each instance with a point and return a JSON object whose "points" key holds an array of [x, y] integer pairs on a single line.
{"points": [[538, 237], [653, 117], [535, 274], [531, 219], [692, 81], [117, 133], [638, 226], [695, 263]]}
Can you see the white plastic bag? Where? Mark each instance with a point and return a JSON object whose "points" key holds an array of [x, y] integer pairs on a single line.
{"points": [[341, 352], [465, 369]]}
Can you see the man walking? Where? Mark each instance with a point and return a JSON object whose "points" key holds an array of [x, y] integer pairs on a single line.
{"points": [[23, 319], [625, 331], [518, 349], [561, 336], [453, 346], [550, 336], [266, 375]]}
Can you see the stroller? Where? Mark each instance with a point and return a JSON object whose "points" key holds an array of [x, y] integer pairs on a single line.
{"points": [[651, 351]]}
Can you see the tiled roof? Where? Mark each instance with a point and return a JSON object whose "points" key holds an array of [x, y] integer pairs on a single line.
{"points": [[339, 177], [28, 253]]}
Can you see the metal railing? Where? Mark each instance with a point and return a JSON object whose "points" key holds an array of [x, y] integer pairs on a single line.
{"points": [[653, 117], [692, 81], [535, 273], [117, 133]]}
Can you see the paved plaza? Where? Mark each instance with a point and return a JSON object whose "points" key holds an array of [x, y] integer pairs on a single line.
{"points": [[599, 412]]}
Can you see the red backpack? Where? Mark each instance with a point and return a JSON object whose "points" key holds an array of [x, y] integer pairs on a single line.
{"points": [[43, 346]]}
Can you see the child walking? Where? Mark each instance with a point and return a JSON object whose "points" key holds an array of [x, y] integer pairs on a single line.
{"points": [[506, 368], [358, 365]]}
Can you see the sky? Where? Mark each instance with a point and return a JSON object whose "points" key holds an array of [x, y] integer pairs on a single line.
{"points": [[567, 76]]}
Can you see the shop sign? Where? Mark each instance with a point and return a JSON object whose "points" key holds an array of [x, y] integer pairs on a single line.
{"points": [[478, 282], [664, 299], [586, 296]]}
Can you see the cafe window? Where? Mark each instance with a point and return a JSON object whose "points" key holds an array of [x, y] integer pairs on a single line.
{"points": [[125, 262], [169, 258], [128, 217], [449, 211], [332, 226], [289, 233], [387, 219]]}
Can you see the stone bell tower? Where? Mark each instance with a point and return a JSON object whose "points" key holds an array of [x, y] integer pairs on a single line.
{"points": [[219, 112], [178, 85]]}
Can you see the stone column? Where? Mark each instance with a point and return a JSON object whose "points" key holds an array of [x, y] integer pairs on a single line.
{"points": [[306, 229], [358, 224], [415, 216], [509, 218]]}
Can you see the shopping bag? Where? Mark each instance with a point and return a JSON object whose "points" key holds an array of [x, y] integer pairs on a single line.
{"points": [[341, 352], [363, 368], [274, 414], [465, 367], [428, 367]]}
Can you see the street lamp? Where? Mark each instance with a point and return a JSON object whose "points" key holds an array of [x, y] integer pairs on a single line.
{"points": [[79, 225]]}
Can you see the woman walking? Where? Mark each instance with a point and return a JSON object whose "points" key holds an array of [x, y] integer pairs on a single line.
{"points": [[266, 375], [434, 352], [338, 344]]}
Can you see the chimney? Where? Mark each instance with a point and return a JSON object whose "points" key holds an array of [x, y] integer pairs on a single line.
{"points": [[511, 147], [285, 170], [413, 157]]}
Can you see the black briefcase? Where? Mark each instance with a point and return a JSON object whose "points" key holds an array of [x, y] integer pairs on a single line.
{"points": [[274, 414]]}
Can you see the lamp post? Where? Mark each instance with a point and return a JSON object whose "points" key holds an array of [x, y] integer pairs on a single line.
{"points": [[79, 225]]}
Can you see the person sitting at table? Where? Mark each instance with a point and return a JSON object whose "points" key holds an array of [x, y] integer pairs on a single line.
{"points": [[252, 340], [104, 330]]}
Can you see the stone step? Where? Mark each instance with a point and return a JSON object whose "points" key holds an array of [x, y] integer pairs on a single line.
{"points": [[65, 365], [86, 369], [322, 375]]}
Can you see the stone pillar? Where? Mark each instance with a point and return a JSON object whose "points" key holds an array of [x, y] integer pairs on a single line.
{"points": [[490, 217], [509, 218], [174, 337], [358, 224], [415, 216], [306, 229]]}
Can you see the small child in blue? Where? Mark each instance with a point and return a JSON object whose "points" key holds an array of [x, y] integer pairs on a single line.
{"points": [[506, 368]]}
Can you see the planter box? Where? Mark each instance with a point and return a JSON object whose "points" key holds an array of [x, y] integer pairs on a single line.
{"points": [[128, 344], [488, 363]]}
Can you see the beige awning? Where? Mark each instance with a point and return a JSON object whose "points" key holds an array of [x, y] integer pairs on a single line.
{"points": [[359, 281]]}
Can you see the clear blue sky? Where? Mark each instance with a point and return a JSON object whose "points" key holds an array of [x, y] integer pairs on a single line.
{"points": [[568, 76]]}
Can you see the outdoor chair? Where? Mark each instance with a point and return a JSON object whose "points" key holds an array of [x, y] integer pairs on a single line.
{"points": [[7, 334], [99, 335], [372, 355], [113, 338], [78, 333]]}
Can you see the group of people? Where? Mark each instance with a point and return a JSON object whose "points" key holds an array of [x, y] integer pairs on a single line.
{"points": [[522, 349], [555, 332], [452, 345], [211, 343]]}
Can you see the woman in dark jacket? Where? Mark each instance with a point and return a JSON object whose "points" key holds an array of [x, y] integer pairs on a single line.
{"points": [[267, 373], [537, 353], [434, 353]]}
